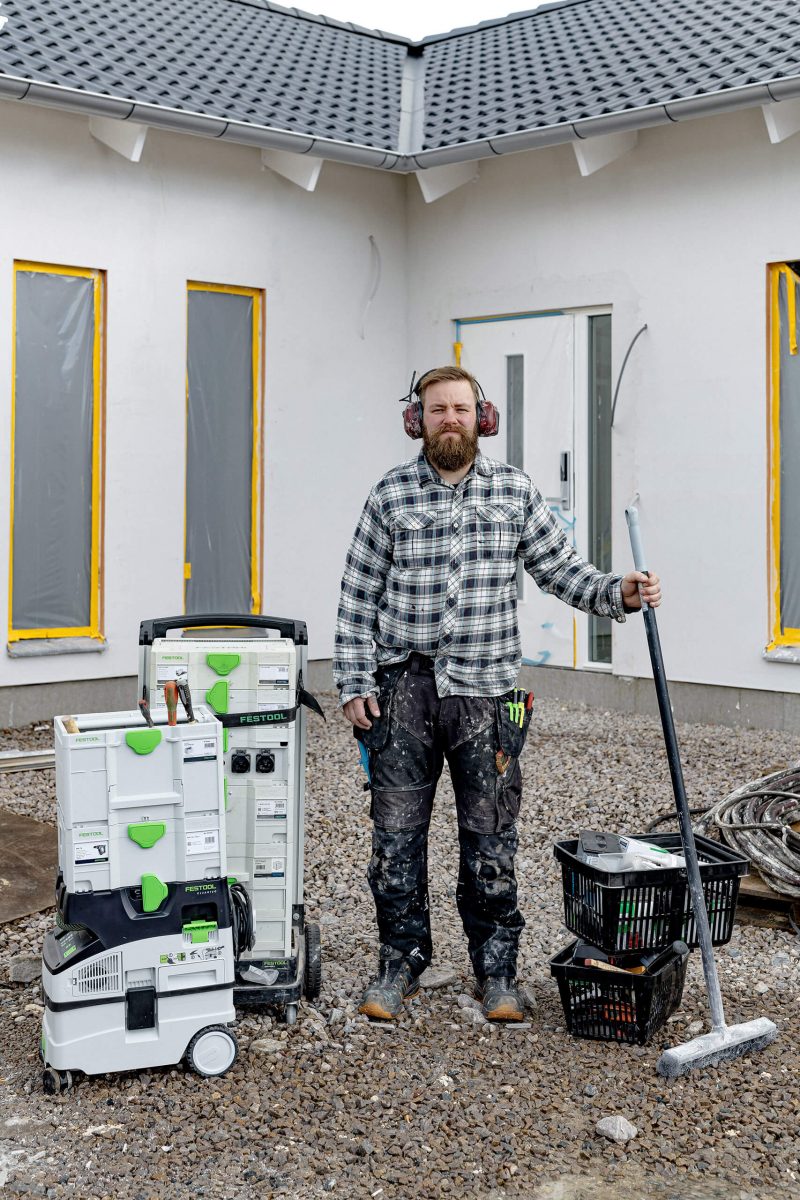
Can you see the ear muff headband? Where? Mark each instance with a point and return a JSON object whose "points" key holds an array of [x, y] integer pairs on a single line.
{"points": [[488, 416]]}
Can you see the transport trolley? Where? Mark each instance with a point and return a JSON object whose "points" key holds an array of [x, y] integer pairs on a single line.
{"points": [[249, 671]]}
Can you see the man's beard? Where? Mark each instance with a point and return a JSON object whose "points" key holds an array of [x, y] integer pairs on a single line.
{"points": [[450, 453]]}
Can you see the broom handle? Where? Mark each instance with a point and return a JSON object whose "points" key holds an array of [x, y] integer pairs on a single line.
{"points": [[678, 787]]}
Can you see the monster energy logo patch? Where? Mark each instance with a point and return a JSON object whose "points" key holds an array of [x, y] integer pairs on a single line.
{"points": [[516, 713]]}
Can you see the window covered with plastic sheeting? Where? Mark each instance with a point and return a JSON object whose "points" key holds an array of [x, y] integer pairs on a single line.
{"points": [[221, 569], [785, 462], [55, 454]]}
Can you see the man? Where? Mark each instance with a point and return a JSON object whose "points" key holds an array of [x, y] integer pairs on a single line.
{"points": [[427, 652]]}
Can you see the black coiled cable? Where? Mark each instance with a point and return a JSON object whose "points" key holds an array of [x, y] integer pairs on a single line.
{"points": [[244, 934]]}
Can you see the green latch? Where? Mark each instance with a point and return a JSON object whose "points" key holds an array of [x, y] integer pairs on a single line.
{"points": [[223, 664], [225, 733], [218, 696], [199, 930], [154, 892], [143, 741], [147, 833]]}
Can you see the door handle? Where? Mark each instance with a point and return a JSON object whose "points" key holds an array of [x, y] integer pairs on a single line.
{"points": [[566, 478]]}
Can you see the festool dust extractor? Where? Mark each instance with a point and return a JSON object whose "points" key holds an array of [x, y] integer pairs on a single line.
{"points": [[249, 671], [140, 972]]}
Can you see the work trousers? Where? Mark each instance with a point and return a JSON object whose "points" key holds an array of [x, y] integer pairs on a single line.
{"points": [[407, 746]]}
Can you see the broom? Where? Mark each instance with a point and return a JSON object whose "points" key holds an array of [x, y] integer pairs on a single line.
{"points": [[724, 1041]]}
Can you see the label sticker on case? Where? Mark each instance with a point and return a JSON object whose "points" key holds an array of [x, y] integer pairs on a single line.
{"points": [[202, 841], [202, 750], [179, 671], [276, 675], [90, 852], [269, 868], [266, 809]]}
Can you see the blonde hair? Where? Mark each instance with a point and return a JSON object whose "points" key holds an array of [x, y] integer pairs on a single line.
{"points": [[448, 375]]}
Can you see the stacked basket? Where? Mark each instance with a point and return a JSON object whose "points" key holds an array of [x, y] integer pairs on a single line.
{"points": [[629, 917]]}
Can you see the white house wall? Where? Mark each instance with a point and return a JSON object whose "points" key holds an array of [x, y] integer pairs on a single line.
{"points": [[676, 234], [194, 209]]}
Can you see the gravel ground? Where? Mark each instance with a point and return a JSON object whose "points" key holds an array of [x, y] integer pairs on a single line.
{"points": [[439, 1104]]}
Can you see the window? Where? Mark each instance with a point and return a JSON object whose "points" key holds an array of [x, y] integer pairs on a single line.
{"points": [[223, 389], [784, 458], [56, 452]]}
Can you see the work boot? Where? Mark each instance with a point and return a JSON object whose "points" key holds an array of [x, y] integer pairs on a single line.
{"points": [[500, 998], [384, 996]]}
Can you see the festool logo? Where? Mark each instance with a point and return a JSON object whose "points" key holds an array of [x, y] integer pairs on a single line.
{"points": [[202, 887], [86, 739], [261, 718], [172, 658], [93, 833]]}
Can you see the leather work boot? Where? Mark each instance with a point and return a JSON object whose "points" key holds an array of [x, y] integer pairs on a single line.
{"points": [[501, 999], [383, 997]]}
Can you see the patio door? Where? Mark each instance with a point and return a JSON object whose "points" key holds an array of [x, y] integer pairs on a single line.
{"points": [[526, 366]]}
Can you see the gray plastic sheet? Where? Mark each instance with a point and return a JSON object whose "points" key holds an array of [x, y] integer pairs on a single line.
{"points": [[54, 403], [220, 446], [790, 464]]}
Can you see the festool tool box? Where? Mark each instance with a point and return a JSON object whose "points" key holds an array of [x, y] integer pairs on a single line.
{"points": [[249, 671], [128, 987], [138, 803]]}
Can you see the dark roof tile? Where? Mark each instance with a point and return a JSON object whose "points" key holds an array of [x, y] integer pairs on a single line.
{"points": [[259, 62]]}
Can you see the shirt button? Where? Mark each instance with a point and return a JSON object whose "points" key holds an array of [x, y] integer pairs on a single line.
{"points": [[456, 562], [451, 601], [455, 525]]}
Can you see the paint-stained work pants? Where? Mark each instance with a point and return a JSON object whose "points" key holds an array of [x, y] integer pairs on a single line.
{"points": [[407, 747]]}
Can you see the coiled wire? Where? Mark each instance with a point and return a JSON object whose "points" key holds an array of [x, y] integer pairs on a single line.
{"points": [[244, 933], [757, 820]]}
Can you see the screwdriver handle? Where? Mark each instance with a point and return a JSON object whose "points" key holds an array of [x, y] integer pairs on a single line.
{"points": [[171, 701]]}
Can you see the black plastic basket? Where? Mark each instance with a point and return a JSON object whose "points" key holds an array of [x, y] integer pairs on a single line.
{"points": [[635, 911], [609, 1007]]}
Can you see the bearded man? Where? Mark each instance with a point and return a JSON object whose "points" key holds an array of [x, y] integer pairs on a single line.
{"points": [[427, 654]]}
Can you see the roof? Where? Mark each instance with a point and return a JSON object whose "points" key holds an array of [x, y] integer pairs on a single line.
{"points": [[255, 72]]}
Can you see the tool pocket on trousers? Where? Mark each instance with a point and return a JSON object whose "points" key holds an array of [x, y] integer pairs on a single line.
{"points": [[377, 736], [512, 721]]}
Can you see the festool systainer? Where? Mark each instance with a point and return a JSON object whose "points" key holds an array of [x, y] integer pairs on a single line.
{"points": [[141, 970], [137, 801], [249, 671]]}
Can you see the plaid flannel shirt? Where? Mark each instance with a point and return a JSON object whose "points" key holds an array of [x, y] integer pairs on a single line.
{"points": [[432, 568]]}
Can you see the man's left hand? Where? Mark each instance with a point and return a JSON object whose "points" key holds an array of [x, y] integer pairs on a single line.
{"points": [[636, 587]]}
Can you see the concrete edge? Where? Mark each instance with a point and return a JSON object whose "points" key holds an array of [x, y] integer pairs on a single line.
{"points": [[696, 703]]}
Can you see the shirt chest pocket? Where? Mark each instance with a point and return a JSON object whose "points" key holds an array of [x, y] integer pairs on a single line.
{"points": [[498, 528], [415, 540]]}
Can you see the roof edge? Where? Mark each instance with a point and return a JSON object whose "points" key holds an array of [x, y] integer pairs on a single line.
{"points": [[384, 158]]}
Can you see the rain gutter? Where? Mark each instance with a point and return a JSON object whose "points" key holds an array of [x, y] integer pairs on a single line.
{"points": [[242, 133]]}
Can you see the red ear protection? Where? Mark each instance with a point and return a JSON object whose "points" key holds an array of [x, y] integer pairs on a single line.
{"points": [[488, 416]]}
